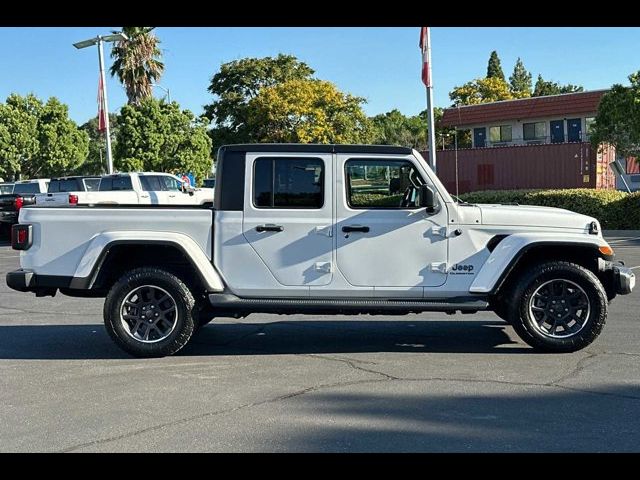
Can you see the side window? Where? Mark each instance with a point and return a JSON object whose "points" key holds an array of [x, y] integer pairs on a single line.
{"points": [[170, 184], [382, 183], [150, 183], [115, 184], [288, 183], [91, 184], [69, 185]]}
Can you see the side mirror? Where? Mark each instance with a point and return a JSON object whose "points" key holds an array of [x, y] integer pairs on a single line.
{"points": [[427, 198]]}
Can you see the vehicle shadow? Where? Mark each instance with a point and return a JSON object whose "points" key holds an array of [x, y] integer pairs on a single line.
{"points": [[69, 342]]}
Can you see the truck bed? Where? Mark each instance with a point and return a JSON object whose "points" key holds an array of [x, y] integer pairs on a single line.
{"points": [[62, 236]]}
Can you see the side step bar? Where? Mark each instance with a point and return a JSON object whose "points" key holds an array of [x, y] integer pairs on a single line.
{"points": [[230, 302]]}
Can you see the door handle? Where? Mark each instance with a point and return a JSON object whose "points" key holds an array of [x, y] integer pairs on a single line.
{"points": [[355, 228], [269, 228]]}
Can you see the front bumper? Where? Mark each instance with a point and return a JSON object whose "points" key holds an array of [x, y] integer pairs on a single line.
{"points": [[624, 280]]}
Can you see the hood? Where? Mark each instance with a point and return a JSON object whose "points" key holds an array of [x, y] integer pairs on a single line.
{"points": [[527, 215]]}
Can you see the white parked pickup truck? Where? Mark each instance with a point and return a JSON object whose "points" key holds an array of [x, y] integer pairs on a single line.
{"points": [[154, 188], [323, 229], [124, 189]]}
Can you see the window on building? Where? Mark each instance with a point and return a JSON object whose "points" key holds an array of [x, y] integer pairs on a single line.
{"points": [[288, 183], [501, 133], [534, 131]]}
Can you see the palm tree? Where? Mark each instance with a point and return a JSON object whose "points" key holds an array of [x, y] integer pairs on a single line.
{"points": [[137, 62]]}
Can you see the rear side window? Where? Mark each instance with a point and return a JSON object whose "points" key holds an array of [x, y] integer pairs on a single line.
{"points": [[150, 183], [26, 188], [115, 184], [288, 183]]}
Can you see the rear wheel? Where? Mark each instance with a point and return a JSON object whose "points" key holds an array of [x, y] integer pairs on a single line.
{"points": [[150, 312], [558, 307]]}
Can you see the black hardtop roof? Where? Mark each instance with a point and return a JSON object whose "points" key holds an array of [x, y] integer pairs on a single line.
{"points": [[315, 148], [71, 177]]}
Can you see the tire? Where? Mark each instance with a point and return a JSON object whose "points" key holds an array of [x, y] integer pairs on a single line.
{"points": [[558, 287], [165, 321]]}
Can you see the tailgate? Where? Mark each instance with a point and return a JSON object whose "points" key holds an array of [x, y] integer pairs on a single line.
{"points": [[52, 199]]}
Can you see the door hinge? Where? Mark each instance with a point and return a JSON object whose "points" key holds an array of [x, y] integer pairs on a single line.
{"points": [[440, 231], [323, 267], [325, 230], [438, 267]]}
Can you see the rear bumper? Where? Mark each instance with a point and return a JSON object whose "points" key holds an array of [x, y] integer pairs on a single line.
{"points": [[9, 217], [42, 285]]}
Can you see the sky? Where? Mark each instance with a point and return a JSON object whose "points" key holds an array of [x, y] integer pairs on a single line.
{"points": [[380, 64]]}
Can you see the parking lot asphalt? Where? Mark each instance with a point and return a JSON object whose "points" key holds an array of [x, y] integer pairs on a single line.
{"points": [[426, 383]]}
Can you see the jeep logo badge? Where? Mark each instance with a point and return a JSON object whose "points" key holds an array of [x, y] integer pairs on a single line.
{"points": [[459, 269]]}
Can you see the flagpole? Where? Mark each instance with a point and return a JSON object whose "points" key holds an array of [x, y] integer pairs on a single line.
{"points": [[106, 107], [430, 122]]}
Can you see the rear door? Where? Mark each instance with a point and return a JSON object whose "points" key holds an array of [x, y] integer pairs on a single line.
{"points": [[115, 190], [288, 215], [152, 191]]}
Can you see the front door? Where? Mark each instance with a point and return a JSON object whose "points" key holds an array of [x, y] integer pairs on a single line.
{"points": [[288, 216], [479, 137], [383, 239], [557, 131], [574, 129]]}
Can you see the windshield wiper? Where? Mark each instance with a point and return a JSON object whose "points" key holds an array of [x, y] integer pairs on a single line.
{"points": [[459, 200]]}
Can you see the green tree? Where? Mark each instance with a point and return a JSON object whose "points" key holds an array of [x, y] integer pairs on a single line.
{"points": [[307, 111], [394, 128], [544, 87], [96, 162], [480, 90], [494, 69], [160, 137], [39, 139], [137, 62], [618, 119], [520, 81], [237, 83]]}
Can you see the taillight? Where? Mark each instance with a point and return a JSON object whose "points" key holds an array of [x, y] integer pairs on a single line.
{"points": [[18, 203], [73, 199], [21, 236]]}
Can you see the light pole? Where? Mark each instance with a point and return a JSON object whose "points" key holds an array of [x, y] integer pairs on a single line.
{"points": [[99, 40], [162, 88]]}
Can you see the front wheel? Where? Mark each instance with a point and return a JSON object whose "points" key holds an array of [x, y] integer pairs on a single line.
{"points": [[150, 312], [558, 307]]}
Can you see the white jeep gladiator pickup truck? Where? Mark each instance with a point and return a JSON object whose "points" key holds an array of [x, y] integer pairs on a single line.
{"points": [[322, 229]]}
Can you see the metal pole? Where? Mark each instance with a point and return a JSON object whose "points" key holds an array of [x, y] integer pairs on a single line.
{"points": [[455, 133], [431, 132], [106, 107]]}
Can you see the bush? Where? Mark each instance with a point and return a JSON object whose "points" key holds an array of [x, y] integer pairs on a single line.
{"points": [[614, 209], [375, 200]]}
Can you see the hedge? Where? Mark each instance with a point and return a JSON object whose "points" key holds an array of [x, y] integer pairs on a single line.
{"points": [[614, 209]]}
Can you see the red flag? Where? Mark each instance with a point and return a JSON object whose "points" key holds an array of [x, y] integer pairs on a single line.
{"points": [[102, 122], [424, 47]]}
